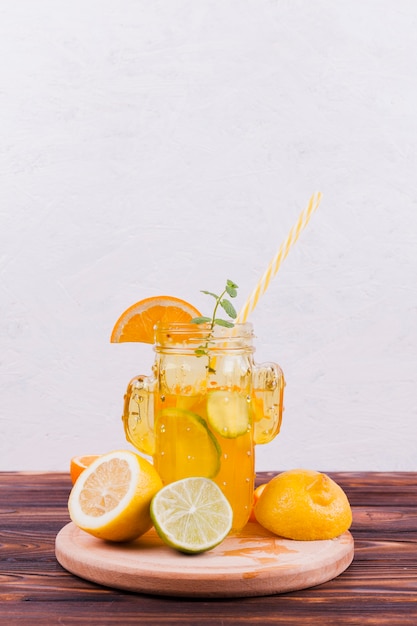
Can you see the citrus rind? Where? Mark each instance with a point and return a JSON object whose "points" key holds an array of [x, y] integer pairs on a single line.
{"points": [[304, 505], [137, 322], [192, 515], [111, 498]]}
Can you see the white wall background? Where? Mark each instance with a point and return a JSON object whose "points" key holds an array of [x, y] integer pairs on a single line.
{"points": [[161, 147]]}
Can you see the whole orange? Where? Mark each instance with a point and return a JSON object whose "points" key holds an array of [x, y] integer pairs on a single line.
{"points": [[79, 463], [256, 496]]}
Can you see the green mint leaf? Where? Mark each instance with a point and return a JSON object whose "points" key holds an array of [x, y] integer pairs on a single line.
{"points": [[200, 320], [228, 307], [224, 323], [210, 293]]}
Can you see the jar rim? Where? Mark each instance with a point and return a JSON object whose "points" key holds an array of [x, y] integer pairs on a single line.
{"points": [[240, 328], [186, 333]]}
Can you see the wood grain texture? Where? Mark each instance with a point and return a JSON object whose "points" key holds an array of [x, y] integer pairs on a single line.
{"points": [[379, 587]]}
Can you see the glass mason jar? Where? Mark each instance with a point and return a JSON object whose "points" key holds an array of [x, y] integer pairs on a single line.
{"points": [[204, 408]]}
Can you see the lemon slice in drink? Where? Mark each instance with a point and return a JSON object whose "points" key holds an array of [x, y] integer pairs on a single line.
{"points": [[191, 515], [228, 413], [184, 446], [111, 498]]}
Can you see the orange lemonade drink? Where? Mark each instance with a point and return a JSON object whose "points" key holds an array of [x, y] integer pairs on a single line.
{"points": [[205, 407], [189, 443]]}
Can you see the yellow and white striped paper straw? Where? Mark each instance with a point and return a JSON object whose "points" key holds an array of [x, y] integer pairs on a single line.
{"points": [[275, 264]]}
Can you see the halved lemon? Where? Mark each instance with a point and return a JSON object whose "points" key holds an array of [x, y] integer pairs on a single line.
{"points": [[228, 413], [138, 321], [111, 498], [192, 515], [184, 446]]}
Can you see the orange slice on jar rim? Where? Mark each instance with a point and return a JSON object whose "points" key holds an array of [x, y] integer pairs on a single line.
{"points": [[138, 321]]}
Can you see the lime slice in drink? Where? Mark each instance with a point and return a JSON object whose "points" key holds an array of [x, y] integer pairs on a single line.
{"points": [[191, 515], [228, 413], [184, 446]]}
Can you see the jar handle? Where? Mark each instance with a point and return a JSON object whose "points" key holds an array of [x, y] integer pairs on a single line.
{"points": [[138, 413], [268, 391]]}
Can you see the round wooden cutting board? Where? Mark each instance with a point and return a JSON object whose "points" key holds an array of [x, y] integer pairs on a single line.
{"points": [[253, 562]]}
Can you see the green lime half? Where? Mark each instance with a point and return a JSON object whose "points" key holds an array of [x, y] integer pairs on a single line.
{"points": [[191, 515], [228, 413], [184, 446]]}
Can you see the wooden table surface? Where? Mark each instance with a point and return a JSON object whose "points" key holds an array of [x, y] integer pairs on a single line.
{"points": [[379, 587]]}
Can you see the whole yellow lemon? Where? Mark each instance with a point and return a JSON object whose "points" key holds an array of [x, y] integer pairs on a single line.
{"points": [[304, 505]]}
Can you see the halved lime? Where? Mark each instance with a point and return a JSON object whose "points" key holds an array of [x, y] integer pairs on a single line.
{"points": [[228, 413], [191, 515], [184, 446]]}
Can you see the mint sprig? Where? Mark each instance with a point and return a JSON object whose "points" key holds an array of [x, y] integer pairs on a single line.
{"points": [[231, 290]]}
